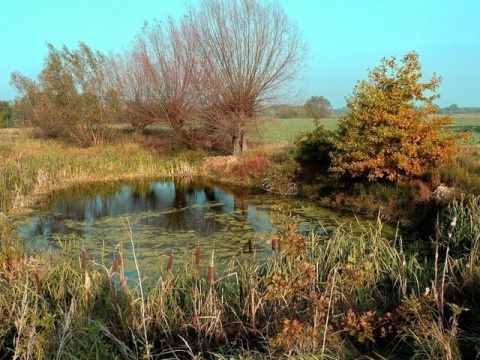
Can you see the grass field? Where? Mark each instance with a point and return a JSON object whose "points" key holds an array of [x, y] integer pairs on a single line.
{"points": [[468, 123], [285, 130]]}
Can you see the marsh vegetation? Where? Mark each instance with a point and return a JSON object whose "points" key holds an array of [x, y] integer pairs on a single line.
{"points": [[171, 110]]}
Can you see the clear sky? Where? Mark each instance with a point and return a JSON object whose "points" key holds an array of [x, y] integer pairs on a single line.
{"points": [[345, 38]]}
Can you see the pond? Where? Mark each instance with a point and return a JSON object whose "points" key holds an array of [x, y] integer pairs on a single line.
{"points": [[164, 217]]}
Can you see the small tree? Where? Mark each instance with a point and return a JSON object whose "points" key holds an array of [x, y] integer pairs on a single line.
{"points": [[141, 107], [74, 97], [391, 130], [318, 107]]}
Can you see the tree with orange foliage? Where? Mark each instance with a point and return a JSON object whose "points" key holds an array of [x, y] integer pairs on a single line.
{"points": [[391, 131]]}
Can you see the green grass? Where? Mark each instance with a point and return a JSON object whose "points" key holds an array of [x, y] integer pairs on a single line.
{"points": [[471, 124], [285, 130]]}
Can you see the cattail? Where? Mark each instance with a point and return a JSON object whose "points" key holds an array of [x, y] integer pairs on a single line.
{"points": [[274, 244], [114, 265], [84, 260], [250, 245], [279, 245], [197, 256], [196, 321], [120, 260], [210, 274], [9, 262], [39, 282], [170, 263]]}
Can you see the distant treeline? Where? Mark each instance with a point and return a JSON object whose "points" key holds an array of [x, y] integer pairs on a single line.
{"points": [[285, 111], [455, 109]]}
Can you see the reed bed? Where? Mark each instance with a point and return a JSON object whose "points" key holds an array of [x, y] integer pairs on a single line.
{"points": [[333, 296], [32, 167]]}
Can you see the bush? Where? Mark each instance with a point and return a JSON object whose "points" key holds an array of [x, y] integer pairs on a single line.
{"points": [[313, 152], [386, 134]]}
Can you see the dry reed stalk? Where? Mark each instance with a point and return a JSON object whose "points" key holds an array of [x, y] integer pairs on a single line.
{"points": [[328, 314], [437, 231], [142, 296], [210, 271], [437, 245], [88, 286]]}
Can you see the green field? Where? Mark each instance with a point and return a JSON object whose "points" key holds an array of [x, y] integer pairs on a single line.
{"points": [[469, 123], [285, 130]]}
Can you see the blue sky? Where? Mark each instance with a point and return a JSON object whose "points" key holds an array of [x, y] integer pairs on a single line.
{"points": [[345, 38]]}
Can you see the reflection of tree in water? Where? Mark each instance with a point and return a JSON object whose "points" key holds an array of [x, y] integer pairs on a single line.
{"points": [[189, 207], [241, 215], [172, 206]]}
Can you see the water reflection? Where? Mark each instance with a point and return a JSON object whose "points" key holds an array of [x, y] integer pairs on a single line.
{"points": [[163, 217], [160, 218]]}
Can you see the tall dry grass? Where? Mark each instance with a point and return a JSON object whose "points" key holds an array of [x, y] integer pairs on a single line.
{"points": [[32, 167]]}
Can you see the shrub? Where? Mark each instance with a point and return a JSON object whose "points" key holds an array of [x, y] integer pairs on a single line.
{"points": [[386, 134], [313, 151]]}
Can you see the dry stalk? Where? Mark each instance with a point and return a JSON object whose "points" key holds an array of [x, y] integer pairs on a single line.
{"points": [[210, 271], [144, 320]]}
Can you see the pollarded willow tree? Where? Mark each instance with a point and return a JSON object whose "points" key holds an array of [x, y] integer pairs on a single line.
{"points": [[158, 78], [140, 107], [391, 131], [244, 52]]}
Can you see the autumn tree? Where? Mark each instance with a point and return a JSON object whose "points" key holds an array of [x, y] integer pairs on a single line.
{"points": [[318, 107], [74, 97], [244, 52], [391, 130]]}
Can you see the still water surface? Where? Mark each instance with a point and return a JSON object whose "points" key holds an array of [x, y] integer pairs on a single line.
{"points": [[163, 217]]}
